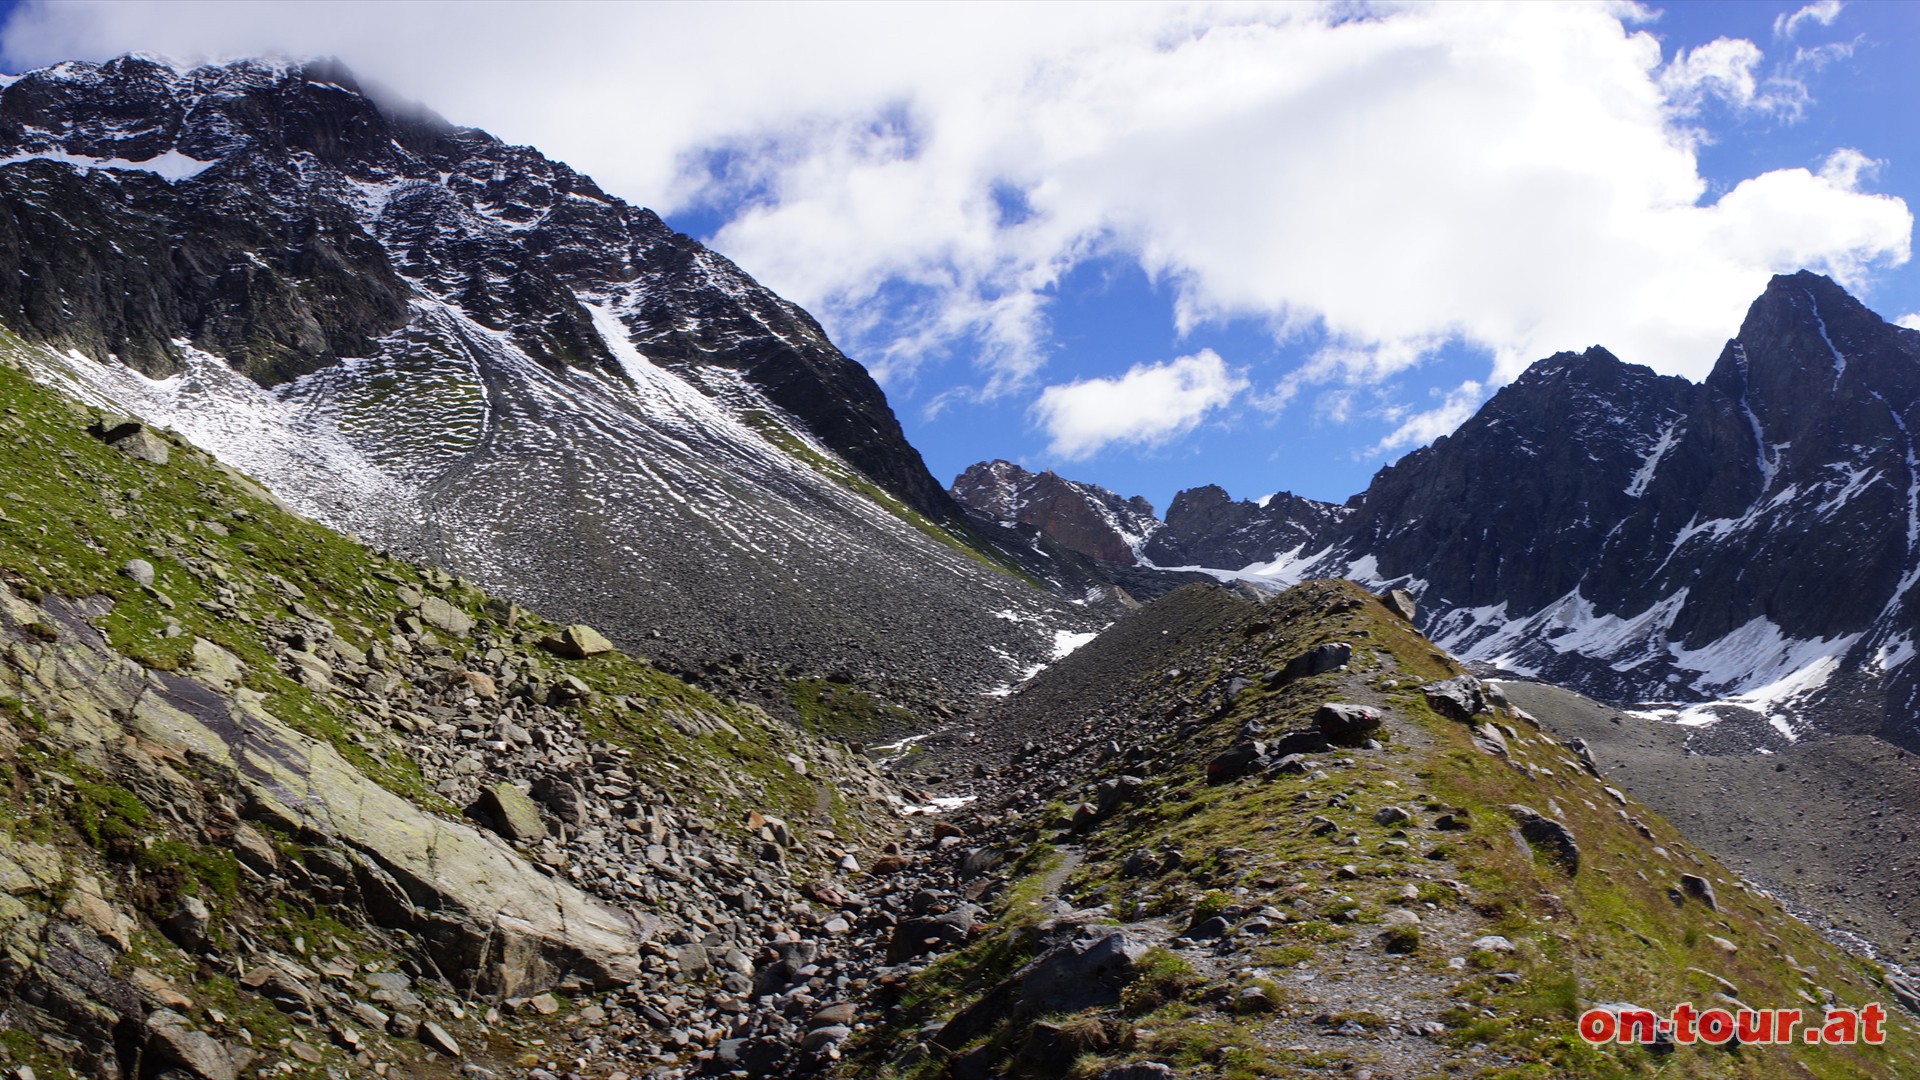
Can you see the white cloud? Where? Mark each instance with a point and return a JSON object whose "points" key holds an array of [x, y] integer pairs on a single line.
{"points": [[1785, 26], [1147, 406], [1516, 177], [1911, 320], [1722, 68], [1424, 427]]}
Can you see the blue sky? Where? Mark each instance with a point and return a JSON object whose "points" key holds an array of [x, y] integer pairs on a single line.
{"points": [[1269, 247]]}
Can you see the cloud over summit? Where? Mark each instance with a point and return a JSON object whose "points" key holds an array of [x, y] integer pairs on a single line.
{"points": [[1520, 178]]}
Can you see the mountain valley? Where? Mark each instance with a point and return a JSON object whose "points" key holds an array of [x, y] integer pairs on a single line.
{"points": [[453, 625]]}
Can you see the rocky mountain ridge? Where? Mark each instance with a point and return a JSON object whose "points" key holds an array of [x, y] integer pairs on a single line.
{"points": [[1648, 539], [1204, 526], [474, 355]]}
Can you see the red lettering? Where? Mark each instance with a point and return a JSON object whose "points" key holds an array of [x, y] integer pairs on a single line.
{"points": [[1598, 1026], [1784, 1021], [1873, 1016], [1638, 1026], [1756, 1026], [1716, 1026], [1842, 1027], [1683, 1017]]}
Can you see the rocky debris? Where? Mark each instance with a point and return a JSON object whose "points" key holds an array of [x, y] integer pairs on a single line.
{"points": [[1342, 722], [139, 571], [577, 642], [1460, 698], [917, 936], [485, 919], [1549, 836]]}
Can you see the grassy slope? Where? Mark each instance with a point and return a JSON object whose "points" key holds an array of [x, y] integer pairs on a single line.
{"points": [[74, 511], [1610, 932]]}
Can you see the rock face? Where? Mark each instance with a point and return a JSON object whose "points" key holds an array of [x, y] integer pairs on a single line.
{"points": [[1206, 527], [1655, 539], [1082, 518], [1642, 537], [551, 392], [500, 924]]}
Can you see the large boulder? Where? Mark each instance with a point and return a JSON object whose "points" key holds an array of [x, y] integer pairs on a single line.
{"points": [[492, 921], [439, 613], [1080, 974], [1460, 698], [1401, 603], [133, 438], [1342, 722], [1236, 761], [512, 814], [1547, 836], [1318, 660], [577, 642], [173, 1041]]}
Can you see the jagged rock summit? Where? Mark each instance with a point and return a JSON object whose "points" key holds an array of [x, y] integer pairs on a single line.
{"points": [[468, 352], [1750, 540], [1204, 527], [1654, 539], [1082, 518]]}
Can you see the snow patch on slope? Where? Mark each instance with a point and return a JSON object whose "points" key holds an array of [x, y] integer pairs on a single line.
{"points": [[1651, 462], [311, 466], [172, 166]]}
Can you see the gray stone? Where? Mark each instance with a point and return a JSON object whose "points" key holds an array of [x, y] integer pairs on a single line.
{"points": [[1460, 698], [1391, 815], [1488, 739], [578, 642], [1315, 661], [215, 665], [133, 438], [171, 1039], [1700, 889], [438, 613], [513, 814], [435, 1037], [1550, 837], [1140, 1070], [1236, 761], [1400, 602], [187, 925], [1341, 721], [139, 571], [1080, 974], [1291, 765]]}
